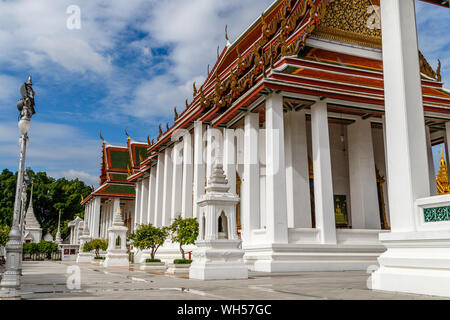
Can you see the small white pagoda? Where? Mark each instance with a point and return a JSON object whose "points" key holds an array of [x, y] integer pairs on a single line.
{"points": [[33, 230], [117, 255], [218, 254]]}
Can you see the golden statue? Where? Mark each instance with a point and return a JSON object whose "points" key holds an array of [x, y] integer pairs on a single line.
{"points": [[442, 177]]}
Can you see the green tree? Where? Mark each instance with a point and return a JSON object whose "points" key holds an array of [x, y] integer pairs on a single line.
{"points": [[184, 231], [49, 195], [149, 237], [97, 245], [4, 235]]}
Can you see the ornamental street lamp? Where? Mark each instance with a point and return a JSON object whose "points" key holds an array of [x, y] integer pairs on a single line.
{"points": [[10, 284]]}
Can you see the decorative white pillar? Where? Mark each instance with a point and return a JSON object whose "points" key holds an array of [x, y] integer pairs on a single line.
{"points": [[363, 180], [144, 201], [432, 175], [159, 190], [151, 195], [117, 255], [229, 158], [276, 210], [297, 171], [217, 255], [84, 257], [167, 192], [137, 208], [177, 181], [188, 174], [323, 183], [250, 183], [417, 259], [199, 165]]}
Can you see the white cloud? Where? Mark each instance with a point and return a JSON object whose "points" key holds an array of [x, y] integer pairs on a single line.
{"points": [[81, 175], [52, 148]]}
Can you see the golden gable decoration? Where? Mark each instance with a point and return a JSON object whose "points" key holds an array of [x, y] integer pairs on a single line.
{"points": [[353, 21]]}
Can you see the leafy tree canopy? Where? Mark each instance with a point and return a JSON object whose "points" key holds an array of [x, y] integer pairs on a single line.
{"points": [[184, 231], [4, 235], [97, 245], [49, 195], [149, 237]]}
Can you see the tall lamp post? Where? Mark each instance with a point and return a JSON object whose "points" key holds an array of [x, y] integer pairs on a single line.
{"points": [[10, 284]]}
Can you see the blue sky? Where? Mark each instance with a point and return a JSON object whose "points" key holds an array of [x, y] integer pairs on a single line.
{"points": [[127, 67]]}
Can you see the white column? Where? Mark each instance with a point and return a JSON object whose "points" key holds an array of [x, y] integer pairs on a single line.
{"points": [[199, 166], [177, 181], [297, 171], [363, 180], [323, 183], [167, 192], [188, 172], [96, 217], [405, 129], [276, 210], [144, 201], [432, 175], [137, 208], [250, 182], [159, 190], [86, 214], [151, 196], [229, 159]]}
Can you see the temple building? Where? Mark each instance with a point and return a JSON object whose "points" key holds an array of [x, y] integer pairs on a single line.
{"points": [[116, 166], [308, 115]]}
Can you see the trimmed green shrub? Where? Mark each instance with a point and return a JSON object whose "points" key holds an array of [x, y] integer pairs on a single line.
{"points": [[99, 258], [152, 260], [184, 231], [97, 245], [182, 261], [149, 237]]}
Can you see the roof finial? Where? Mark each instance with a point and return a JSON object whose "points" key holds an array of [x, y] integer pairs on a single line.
{"points": [[101, 137], [126, 133], [176, 113], [195, 89], [218, 56], [226, 36], [187, 104], [160, 131], [207, 70], [148, 141], [167, 127]]}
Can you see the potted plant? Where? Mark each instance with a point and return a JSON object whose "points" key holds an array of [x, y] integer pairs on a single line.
{"points": [[185, 232], [149, 237]]}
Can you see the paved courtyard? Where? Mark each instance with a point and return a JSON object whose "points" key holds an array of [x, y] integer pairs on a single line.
{"points": [[47, 280]]}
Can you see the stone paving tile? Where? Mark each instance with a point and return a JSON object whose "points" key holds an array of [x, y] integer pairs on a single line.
{"points": [[47, 280]]}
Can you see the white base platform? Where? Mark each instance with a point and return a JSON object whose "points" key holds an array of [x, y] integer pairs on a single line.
{"points": [[415, 262], [116, 258], [218, 260], [178, 269], [153, 266], [85, 257]]}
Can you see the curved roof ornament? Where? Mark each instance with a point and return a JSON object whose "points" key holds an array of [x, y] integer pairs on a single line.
{"points": [[101, 137], [226, 37]]}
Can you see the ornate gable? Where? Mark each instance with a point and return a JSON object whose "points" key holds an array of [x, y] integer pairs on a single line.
{"points": [[354, 21]]}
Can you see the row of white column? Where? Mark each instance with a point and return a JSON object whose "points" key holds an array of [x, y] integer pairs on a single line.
{"points": [[172, 185], [107, 214], [92, 216], [168, 189]]}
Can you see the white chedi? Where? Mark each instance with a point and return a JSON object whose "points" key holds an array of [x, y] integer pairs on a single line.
{"points": [[84, 257], [218, 254], [117, 255]]}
